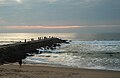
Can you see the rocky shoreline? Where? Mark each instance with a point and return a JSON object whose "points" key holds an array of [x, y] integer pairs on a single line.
{"points": [[15, 52]]}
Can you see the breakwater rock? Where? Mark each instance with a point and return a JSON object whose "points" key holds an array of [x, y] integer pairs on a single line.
{"points": [[15, 52]]}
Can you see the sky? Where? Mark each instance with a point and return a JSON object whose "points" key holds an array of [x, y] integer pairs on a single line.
{"points": [[81, 16]]}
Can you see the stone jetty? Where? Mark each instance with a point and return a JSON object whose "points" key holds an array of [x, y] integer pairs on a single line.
{"points": [[17, 51]]}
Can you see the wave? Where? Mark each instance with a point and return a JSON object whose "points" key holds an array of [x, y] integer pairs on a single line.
{"points": [[97, 42], [82, 54]]}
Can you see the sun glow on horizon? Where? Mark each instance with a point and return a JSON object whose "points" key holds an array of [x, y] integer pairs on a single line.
{"points": [[41, 27]]}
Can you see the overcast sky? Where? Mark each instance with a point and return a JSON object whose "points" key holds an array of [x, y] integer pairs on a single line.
{"points": [[86, 15]]}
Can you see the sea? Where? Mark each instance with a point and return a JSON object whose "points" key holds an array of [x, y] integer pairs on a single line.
{"points": [[89, 50]]}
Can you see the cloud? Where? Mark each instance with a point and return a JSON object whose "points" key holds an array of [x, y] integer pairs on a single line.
{"points": [[19, 1], [61, 12], [57, 27], [2, 21], [40, 27], [51, 0], [59, 2], [6, 2], [101, 26]]}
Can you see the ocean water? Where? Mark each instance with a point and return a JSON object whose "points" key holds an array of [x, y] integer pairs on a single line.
{"points": [[91, 51]]}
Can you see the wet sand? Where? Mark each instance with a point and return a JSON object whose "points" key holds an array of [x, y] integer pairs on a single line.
{"points": [[32, 71]]}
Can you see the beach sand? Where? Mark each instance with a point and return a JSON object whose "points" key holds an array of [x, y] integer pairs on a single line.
{"points": [[32, 71]]}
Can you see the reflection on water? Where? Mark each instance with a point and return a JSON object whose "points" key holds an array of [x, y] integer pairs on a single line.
{"points": [[28, 36], [69, 36]]}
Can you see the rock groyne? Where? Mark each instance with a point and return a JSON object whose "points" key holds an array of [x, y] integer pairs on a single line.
{"points": [[15, 52]]}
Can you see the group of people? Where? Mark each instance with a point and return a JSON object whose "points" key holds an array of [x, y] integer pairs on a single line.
{"points": [[40, 38]]}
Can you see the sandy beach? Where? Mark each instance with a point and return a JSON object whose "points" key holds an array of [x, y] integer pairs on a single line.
{"points": [[31, 71]]}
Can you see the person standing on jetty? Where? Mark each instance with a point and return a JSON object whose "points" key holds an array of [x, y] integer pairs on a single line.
{"points": [[20, 62]]}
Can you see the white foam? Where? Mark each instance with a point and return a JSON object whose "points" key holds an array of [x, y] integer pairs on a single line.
{"points": [[77, 54]]}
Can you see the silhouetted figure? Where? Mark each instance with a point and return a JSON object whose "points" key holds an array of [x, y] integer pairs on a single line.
{"points": [[39, 38], [32, 39], [20, 62], [45, 37], [25, 40]]}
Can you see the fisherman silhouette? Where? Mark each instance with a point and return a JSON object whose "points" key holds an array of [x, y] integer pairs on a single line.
{"points": [[20, 62]]}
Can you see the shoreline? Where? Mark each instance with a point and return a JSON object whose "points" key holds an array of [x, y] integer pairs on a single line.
{"points": [[65, 66], [33, 71]]}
